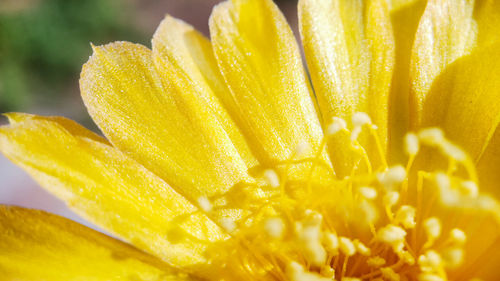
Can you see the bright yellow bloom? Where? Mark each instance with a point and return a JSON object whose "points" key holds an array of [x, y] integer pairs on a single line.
{"points": [[222, 163]]}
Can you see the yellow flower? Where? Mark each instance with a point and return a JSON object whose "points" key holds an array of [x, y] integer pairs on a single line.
{"points": [[223, 162]]}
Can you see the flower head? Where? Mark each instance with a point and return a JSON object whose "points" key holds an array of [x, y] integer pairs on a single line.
{"points": [[223, 161]]}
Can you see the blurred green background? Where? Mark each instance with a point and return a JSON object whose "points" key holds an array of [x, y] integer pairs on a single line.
{"points": [[44, 43]]}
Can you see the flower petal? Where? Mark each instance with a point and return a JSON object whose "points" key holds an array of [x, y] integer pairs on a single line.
{"points": [[446, 32], [103, 185], [35, 245], [350, 54], [488, 165], [171, 135], [260, 61], [465, 100], [405, 16], [487, 14], [185, 57], [349, 48]]}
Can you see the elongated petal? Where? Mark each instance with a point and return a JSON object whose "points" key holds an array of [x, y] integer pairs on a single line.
{"points": [[35, 245], [108, 188], [446, 32], [350, 54], [260, 61], [487, 15], [488, 165], [349, 48], [184, 57], [168, 132], [465, 100], [405, 16]]}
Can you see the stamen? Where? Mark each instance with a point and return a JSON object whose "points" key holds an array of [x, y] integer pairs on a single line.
{"points": [[272, 178], [205, 204], [337, 125], [412, 145]]}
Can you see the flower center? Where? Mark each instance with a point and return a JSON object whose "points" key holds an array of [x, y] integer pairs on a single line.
{"points": [[402, 222]]}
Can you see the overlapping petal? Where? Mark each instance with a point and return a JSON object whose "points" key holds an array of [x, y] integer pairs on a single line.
{"points": [[35, 245], [108, 188], [446, 32], [185, 59], [171, 133], [349, 48], [260, 61]]}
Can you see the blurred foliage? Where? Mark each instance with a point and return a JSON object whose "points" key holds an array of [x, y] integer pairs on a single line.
{"points": [[44, 45]]}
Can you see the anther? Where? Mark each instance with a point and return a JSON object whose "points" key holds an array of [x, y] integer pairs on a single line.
{"points": [[406, 216], [361, 248], [331, 242], [337, 125], [301, 149], [412, 145], [457, 236], [430, 261], [376, 261], [272, 178], [393, 176], [391, 198], [453, 257], [429, 277], [470, 188], [368, 192], [391, 234], [228, 224], [346, 246], [274, 227], [432, 227], [390, 274], [431, 136], [204, 204], [360, 119]]}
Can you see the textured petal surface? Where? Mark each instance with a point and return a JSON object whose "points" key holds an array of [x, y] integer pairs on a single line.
{"points": [[405, 16], [35, 245], [169, 132], [465, 100], [184, 57], [349, 48], [260, 61], [110, 189], [446, 32]]}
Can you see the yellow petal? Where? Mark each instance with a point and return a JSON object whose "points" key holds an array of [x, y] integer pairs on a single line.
{"points": [[465, 100], [446, 32], [349, 48], [110, 189], [184, 57], [488, 165], [169, 133], [405, 16], [487, 15], [350, 54], [35, 245], [260, 61]]}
